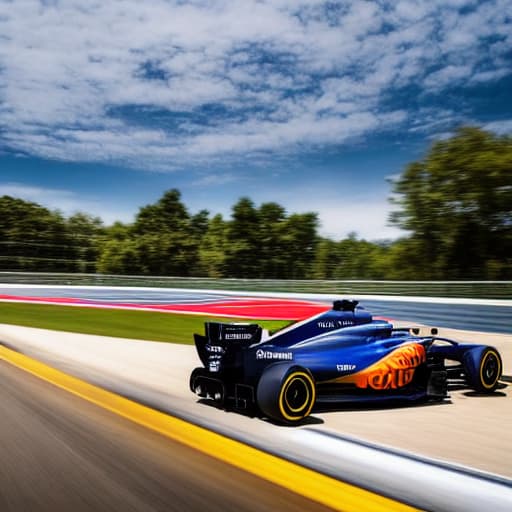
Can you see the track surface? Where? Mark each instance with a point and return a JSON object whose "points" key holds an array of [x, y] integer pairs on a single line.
{"points": [[467, 316], [264, 309], [59, 452], [467, 429]]}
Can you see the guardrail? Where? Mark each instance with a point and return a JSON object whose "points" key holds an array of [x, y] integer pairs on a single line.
{"points": [[462, 289]]}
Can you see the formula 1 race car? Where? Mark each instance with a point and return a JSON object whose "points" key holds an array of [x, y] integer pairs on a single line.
{"points": [[341, 355]]}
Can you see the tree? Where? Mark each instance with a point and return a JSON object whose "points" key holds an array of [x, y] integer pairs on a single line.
{"points": [[243, 247], [326, 259], [199, 225], [272, 226], [119, 257], [350, 258], [33, 238], [299, 242], [456, 203], [212, 251], [118, 231], [86, 233], [168, 214], [166, 238]]}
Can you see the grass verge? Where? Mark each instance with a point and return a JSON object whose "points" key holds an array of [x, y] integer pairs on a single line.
{"points": [[120, 323]]}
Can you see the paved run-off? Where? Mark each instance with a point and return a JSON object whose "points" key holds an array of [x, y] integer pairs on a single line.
{"points": [[471, 430], [288, 476], [60, 452]]}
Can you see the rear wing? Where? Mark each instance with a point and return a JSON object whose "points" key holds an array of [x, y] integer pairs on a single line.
{"points": [[222, 343]]}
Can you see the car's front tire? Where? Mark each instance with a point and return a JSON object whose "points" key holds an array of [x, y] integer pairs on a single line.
{"points": [[286, 393], [483, 368]]}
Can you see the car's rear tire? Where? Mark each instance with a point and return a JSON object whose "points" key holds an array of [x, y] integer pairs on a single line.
{"points": [[483, 367], [286, 393]]}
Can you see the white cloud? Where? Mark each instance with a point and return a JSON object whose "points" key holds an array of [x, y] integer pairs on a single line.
{"points": [[215, 179], [343, 205], [126, 81], [366, 216], [503, 127], [38, 194], [363, 213], [66, 201], [448, 75]]}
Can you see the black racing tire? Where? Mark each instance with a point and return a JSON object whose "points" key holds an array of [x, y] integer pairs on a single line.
{"points": [[286, 393], [483, 369]]}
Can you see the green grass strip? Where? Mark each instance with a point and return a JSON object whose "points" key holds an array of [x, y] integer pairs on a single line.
{"points": [[120, 323]]}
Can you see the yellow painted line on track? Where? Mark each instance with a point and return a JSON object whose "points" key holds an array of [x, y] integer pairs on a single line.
{"points": [[305, 482]]}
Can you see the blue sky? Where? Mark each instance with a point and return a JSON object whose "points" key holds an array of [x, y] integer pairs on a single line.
{"points": [[104, 105]]}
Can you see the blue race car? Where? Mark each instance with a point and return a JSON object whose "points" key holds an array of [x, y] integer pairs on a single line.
{"points": [[341, 355]]}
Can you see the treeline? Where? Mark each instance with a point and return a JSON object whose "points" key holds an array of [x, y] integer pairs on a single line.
{"points": [[33, 238], [164, 239], [455, 207]]}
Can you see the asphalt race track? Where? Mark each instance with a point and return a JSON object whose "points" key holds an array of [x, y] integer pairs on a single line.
{"points": [[466, 315], [59, 452], [468, 429], [248, 308]]}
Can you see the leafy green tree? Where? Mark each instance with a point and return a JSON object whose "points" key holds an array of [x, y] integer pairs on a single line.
{"points": [[350, 258], [199, 224], [326, 259], [403, 260], [272, 227], [118, 231], [198, 227], [213, 248], [243, 243], [456, 203], [119, 256], [168, 214], [359, 259], [299, 242], [166, 237], [86, 233], [33, 238]]}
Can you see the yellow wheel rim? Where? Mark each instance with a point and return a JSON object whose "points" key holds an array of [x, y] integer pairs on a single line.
{"points": [[490, 353], [297, 413]]}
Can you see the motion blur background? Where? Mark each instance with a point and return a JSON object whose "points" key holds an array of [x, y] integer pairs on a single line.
{"points": [[454, 207], [332, 147], [269, 140]]}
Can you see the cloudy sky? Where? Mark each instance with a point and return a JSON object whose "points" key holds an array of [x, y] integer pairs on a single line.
{"points": [[313, 104]]}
